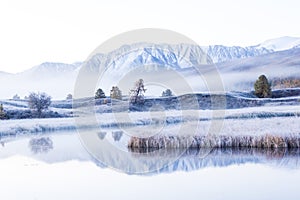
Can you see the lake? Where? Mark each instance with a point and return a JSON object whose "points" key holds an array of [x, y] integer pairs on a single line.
{"points": [[58, 166]]}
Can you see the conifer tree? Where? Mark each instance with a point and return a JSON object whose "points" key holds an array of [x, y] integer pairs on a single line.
{"points": [[99, 94], [262, 87], [2, 113]]}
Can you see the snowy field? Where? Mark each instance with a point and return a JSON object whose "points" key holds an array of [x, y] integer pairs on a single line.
{"points": [[284, 118], [254, 121], [267, 123]]}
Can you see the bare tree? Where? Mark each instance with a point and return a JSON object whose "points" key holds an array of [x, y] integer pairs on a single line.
{"points": [[39, 102], [137, 93]]}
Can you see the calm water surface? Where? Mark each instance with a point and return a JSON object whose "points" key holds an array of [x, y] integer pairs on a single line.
{"points": [[57, 166]]}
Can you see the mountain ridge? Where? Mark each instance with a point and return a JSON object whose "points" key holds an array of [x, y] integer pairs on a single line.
{"points": [[218, 53], [236, 64]]}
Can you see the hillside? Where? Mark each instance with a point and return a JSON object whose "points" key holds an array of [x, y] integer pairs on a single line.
{"points": [[239, 67]]}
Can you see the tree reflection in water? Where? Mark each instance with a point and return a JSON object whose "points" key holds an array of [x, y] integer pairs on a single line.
{"points": [[41, 145], [101, 135], [117, 135]]}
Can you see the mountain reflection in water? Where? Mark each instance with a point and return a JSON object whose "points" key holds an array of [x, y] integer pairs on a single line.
{"points": [[66, 146]]}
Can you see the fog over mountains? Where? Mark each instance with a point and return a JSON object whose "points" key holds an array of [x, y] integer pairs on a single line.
{"points": [[238, 66]]}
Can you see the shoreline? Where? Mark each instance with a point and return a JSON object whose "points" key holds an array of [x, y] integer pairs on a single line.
{"points": [[266, 127]]}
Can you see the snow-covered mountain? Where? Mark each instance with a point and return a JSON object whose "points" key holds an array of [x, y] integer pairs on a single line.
{"points": [[176, 56], [51, 70], [58, 79], [280, 44], [220, 53], [50, 67], [236, 73]]}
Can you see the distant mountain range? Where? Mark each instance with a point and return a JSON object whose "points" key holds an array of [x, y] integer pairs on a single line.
{"points": [[220, 53], [276, 57], [280, 44]]}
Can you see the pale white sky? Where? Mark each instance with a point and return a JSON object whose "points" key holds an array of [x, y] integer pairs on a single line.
{"points": [[35, 31]]}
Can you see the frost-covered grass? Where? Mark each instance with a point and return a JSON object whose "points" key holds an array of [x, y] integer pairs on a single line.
{"points": [[259, 121], [251, 132], [215, 141], [25, 126], [18, 109], [263, 126], [254, 117]]}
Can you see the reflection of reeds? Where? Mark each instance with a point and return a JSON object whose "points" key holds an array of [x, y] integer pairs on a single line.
{"points": [[197, 158], [194, 152], [215, 141]]}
